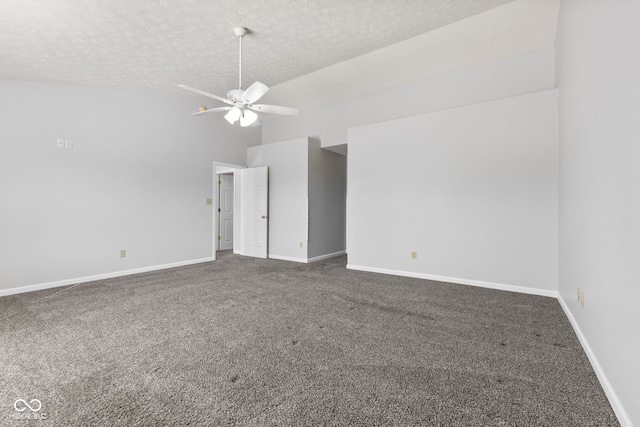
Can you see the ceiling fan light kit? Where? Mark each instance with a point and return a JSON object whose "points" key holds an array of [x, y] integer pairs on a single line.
{"points": [[233, 115], [248, 118], [241, 102]]}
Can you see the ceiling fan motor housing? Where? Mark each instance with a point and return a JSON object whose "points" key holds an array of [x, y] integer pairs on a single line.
{"points": [[235, 95]]}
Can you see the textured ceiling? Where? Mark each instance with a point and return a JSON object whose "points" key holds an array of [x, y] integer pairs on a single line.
{"points": [[513, 29], [155, 45]]}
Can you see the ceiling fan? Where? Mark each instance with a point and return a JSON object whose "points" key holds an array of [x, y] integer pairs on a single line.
{"points": [[241, 102]]}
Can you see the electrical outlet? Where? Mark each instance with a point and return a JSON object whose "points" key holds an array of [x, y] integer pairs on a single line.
{"points": [[68, 143], [414, 255], [209, 201], [582, 299], [60, 143], [123, 253]]}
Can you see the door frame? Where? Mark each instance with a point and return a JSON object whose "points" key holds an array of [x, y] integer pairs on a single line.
{"points": [[218, 168]]}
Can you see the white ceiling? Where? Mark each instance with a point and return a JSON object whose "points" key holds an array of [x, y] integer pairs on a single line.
{"points": [[516, 28], [156, 45]]}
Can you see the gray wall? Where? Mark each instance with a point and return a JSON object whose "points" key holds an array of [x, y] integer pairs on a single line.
{"points": [[514, 76], [598, 70], [327, 201], [137, 178], [473, 190], [288, 192]]}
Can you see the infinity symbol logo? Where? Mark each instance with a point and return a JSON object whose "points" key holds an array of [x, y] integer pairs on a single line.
{"points": [[37, 405]]}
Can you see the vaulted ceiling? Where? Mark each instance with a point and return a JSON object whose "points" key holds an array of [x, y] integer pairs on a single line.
{"points": [[155, 45]]}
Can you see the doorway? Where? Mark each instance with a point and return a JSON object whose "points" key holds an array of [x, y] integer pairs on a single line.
{"points": [[240, 217], [225, 211], [231, 172]]}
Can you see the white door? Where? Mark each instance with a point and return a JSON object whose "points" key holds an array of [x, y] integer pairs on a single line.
{"points": [[255, 195], [225, 218]]}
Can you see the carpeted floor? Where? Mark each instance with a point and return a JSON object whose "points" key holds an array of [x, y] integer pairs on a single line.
{"points": [[243, 341]]}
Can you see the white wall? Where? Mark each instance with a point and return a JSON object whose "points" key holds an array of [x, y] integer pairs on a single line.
{"points": [[288, 192], [514, 76], [473, 190], [137, 178], [598, 69], [327, 201]]}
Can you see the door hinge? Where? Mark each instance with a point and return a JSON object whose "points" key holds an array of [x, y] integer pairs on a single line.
{"points": [[219, 182], [219, 238], [218, 209]]}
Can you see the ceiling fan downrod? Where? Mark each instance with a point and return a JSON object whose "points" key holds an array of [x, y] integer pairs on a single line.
{"points": [[240, 32]]}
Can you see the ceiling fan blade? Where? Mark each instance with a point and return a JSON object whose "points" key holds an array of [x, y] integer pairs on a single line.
{"points": [[256, 123], [254, 92], [275, 109], [207, 94], [213, 110]]}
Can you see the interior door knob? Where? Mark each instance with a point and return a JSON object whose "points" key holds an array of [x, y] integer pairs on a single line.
{"points": [[264, 217]]}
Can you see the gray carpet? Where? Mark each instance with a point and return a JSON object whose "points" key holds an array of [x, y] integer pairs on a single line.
{"points": [[254, 342]]}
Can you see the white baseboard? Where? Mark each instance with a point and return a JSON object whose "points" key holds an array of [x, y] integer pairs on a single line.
{"points": [[616, 405], [287, 258], [308, 260], [326, 256], [66, 282], [490, 285]]}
